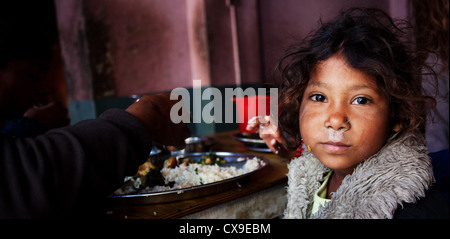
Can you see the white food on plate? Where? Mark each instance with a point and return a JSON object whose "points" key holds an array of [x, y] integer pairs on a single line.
{"points": [[194, 174]]}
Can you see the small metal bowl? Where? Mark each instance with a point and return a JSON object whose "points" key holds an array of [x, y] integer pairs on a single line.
{"points": [[198, 144]]}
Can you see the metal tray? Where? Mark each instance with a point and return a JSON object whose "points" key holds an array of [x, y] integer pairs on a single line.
{"points": [[196, 191]]}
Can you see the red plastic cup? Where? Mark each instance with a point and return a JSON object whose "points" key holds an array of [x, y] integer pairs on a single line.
{"points": [[247, 108]]}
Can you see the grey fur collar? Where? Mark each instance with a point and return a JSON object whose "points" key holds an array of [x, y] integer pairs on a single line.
{"points": [[399, 173]]}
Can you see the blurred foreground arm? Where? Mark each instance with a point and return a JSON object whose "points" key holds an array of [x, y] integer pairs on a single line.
{"points": [[69, 171]]}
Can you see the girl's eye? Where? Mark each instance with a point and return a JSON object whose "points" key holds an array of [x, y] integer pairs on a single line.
{"points": [[318, 98], [360, 101]]}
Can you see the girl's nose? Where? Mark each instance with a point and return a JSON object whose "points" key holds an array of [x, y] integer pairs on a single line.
{"points": [[338, 120]]}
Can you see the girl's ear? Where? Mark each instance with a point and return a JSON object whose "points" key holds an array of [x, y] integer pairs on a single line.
{"points": [[396, 128]]}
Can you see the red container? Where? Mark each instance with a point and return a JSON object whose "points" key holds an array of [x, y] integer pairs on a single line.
{"points": [[247, 108]]}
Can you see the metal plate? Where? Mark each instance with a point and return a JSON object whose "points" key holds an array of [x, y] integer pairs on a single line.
{"points": [[252, 143], [259, 149], [246, 139], [196, 191]]}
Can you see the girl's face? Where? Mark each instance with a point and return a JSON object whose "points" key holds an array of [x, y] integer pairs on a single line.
{"points": [[344, 116]]}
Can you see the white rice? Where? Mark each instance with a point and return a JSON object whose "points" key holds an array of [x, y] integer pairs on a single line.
{"points": [[185, 176]]}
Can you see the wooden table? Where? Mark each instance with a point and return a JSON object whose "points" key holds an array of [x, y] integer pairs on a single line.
{"points": [[261, 196]]}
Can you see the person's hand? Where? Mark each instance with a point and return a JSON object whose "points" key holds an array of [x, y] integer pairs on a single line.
{"points": [[52, 115], [154, 112], [271, 135]]}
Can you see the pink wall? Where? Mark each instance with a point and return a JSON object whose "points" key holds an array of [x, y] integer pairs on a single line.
{"points": [[220, 40], [74, 50], [114, 48], [133, 47], [287, 21], [146, 47]]}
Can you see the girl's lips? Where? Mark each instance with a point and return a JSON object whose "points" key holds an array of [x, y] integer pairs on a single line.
{"points": [[335, 146]]}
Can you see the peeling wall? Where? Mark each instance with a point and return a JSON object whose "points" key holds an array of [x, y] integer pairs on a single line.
{"points": [[115, 48], [142, 45], [74, 49]]}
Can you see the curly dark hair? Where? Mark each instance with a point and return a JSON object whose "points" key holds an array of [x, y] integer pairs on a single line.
{"points": [[431, 26], [370, 41]]}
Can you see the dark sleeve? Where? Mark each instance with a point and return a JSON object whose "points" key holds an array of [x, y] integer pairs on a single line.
{"points": [[432, 206], [68, 170], [23, 127]]}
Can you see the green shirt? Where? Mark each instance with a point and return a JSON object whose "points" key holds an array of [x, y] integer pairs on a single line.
{"points": [[320, 196]]}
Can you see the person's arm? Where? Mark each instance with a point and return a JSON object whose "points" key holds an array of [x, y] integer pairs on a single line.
{"points": [[68, 171], [23, 127], [37, 120], [66, 168]]}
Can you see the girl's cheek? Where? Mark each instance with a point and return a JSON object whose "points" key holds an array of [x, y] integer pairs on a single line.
{"points": [[307, 111], [307, 117]]}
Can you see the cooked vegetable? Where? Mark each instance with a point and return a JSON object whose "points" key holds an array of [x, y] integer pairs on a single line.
{"points": [[145, 168], [153, 178], [149, 176], [170, 162], [210, 159]]}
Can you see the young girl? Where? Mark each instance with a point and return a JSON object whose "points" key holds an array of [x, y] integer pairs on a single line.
{"points": [[352, 91]]}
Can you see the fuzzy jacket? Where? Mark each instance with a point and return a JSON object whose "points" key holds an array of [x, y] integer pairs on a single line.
{"points": [[399, 173]]}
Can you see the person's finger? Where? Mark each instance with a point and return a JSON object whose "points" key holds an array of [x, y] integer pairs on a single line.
{"points": [[264, 121], [253, 124], [271, 143], [273, 146]]}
